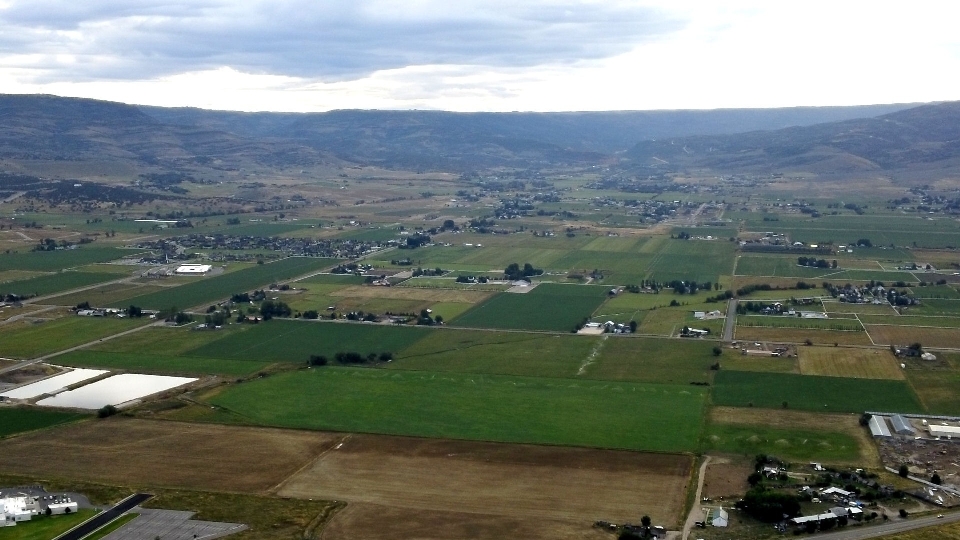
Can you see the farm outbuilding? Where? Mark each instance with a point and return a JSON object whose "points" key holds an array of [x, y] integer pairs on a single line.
{"points": [[944, 431], [720, 518], [878, 427], [62, 508], [900, 425]]}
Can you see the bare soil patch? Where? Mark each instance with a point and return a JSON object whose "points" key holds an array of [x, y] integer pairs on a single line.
{"points": [[362, 521], [159, 453], [727, 478], [28, 373], [515, 482], [930, 337]]}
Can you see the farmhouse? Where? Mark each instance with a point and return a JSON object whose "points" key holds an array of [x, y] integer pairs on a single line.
{"points": [[193, 269], [720, 518], [944, 431]]}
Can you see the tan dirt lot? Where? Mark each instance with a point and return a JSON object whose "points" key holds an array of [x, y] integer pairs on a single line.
{"points": [[929, 337], [727, 478], [515, 482], [362, 521], [168, 454], [849, 362]]}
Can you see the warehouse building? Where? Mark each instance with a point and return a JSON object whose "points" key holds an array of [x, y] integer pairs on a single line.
{"points": [[193, 269], [878, 426], [944, 431], [901, 425]]}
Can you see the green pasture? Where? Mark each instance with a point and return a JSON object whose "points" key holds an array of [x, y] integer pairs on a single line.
{"points": [[632, 416], [617, 268], [615, 244], [46, 527], [787, 444], [29, 340], [783, 321], [651, 360], [549, 306], [295, 341], [503, 353], [264, 229], [210, 289], [21, 419], [812, 393], [53, 283], [936, 306], [779, 266], [945, 292], [369, 235], [52, 261], [882, 230], [161, 362], [936, 382]]}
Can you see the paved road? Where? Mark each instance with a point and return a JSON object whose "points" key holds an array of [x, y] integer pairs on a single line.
{"points": [[893, 527], [103, 518], [731, 321]]}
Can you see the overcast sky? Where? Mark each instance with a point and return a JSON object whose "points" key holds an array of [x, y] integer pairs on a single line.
{"points": [[491, 55]]}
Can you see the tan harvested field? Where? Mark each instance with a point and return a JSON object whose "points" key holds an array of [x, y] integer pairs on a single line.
{"points": [[362, 521], [170, 454], [899, 335], [860, 309], [848, 424], [727, 478], [849, 362], [411, 293], [800, 335], [511, 482]]}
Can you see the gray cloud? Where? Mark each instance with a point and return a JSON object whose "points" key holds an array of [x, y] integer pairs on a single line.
{"points": [[325, 40]]}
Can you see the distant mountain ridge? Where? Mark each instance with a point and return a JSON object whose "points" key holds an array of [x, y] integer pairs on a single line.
{"points": [[927, 135], [40, 127]]}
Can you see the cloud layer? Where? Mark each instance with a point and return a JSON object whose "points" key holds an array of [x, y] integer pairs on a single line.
{"points": [[312, 55]]}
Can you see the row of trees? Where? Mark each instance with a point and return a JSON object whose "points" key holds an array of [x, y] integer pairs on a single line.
{"points": [[350, 358]]}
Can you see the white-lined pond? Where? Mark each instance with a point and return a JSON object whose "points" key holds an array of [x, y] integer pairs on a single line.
{"points": [[114, 391], [52, 384]]}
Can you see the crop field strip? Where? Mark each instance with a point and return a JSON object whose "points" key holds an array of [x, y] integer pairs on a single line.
{"points": [[858, 363], [53, 261], [207, 290], [548, 307], [54, 283], [663, 418]]}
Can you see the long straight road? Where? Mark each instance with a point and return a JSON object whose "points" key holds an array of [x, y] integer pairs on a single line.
{"points": [[103, 518], [887, 529], [731, 321]]}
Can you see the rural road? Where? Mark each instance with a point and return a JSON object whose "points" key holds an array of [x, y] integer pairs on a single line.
{"points": [[891, 528], [696, 514], [731, 321], [71, 349], [103, 518]]}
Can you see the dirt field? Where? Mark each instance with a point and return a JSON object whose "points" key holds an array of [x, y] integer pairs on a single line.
{"points": [[413, 293], [27, 374], [929, 337], [788, 419], [849, 362], [727, 478], [509, 483], [170, 454], [362, 521]]}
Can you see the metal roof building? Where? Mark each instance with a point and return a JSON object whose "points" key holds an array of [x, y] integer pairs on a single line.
{"points": [[944, 431], [900, 425], [878, 427]]}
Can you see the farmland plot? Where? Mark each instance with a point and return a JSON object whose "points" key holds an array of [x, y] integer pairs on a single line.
{"points": [[849, 362]]}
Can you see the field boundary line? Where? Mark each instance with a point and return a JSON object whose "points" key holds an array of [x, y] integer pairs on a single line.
{"points": [[333, 446], [592, 356]]}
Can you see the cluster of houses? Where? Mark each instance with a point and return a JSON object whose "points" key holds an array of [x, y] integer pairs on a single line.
{"points": [[22, 507], [847, 507]]}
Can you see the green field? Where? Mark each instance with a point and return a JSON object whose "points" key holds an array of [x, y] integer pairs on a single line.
{"points": [[46, 527], [295, 341], [779, 321], [206, 290], [163, 363], [29, 340], [52, 261], [53, 283], [787, 444], [672, 361], [549, 306], [503, 353], [18, 420], [477, 407], [812, 393]]}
